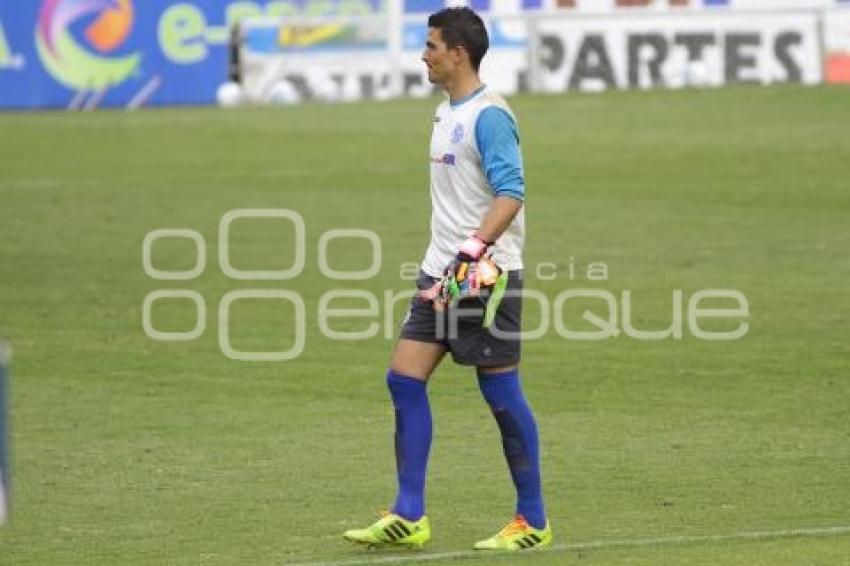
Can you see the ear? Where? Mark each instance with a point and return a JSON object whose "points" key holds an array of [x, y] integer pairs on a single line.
{"points": [[459, 54]]}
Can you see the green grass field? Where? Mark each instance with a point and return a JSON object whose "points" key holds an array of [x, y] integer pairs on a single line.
{"points": [[133, 451]]}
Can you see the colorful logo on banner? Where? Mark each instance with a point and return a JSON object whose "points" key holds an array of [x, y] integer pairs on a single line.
{"points": [[85, 62]]}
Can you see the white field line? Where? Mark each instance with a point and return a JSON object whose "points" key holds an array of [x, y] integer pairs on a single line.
{"points": [[414, 556]]}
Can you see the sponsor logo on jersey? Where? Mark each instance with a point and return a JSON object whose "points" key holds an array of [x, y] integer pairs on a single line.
{"points": [[446, 159]]}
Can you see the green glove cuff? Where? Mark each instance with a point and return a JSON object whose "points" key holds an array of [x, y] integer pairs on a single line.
{"points": [[495, 299]]}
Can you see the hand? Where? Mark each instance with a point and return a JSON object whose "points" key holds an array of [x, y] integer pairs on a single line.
{"points": [[466, 279], [464, 276], [472, 249]]}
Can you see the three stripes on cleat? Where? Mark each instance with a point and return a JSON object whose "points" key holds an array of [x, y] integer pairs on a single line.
{"points": [[529, 541], [396, 530]]}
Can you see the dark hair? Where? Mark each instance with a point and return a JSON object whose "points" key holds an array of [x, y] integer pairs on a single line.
{"points": [[462, 27]]}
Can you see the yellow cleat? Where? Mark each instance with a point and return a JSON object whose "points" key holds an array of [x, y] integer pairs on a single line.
{"points": [[517, 535], [392, 529]]}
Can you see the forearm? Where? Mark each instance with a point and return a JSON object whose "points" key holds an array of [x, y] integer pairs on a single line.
{"points": [[500, 215]]}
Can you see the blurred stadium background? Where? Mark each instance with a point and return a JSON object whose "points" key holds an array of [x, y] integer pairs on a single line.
{"points": [[120, 53], [684, 144]]}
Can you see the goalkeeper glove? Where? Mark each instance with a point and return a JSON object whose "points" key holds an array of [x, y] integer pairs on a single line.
{"points": [[472, 249], [463, 267], [466, 275], [482, 279], [470, 274], [457, 271]]}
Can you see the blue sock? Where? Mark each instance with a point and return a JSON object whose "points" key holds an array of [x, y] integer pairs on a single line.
{"points": [[412, 442], [503, 393]]}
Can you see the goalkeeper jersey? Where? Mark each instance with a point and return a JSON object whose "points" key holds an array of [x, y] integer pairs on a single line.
{"points": [[475, 156]]}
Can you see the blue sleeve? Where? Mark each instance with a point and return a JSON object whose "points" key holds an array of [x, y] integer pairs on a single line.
{"points": [[498, 143]]}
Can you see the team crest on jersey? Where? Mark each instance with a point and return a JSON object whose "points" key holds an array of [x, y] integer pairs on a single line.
{"points": [[457, 133]]}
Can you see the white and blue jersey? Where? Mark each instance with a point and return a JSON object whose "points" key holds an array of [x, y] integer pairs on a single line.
{"points": [[475, 157]]}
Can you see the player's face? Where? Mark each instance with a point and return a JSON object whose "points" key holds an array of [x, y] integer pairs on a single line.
{"points": [[440, 59]]}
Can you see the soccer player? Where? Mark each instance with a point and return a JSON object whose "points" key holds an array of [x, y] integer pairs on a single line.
{"points": [[477, 192]]}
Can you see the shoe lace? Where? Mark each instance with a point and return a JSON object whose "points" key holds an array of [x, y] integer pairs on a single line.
{"points": [[518, 525]]}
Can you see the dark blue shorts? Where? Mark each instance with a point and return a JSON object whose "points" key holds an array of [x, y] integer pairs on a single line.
{"points": [[460, 330]]}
